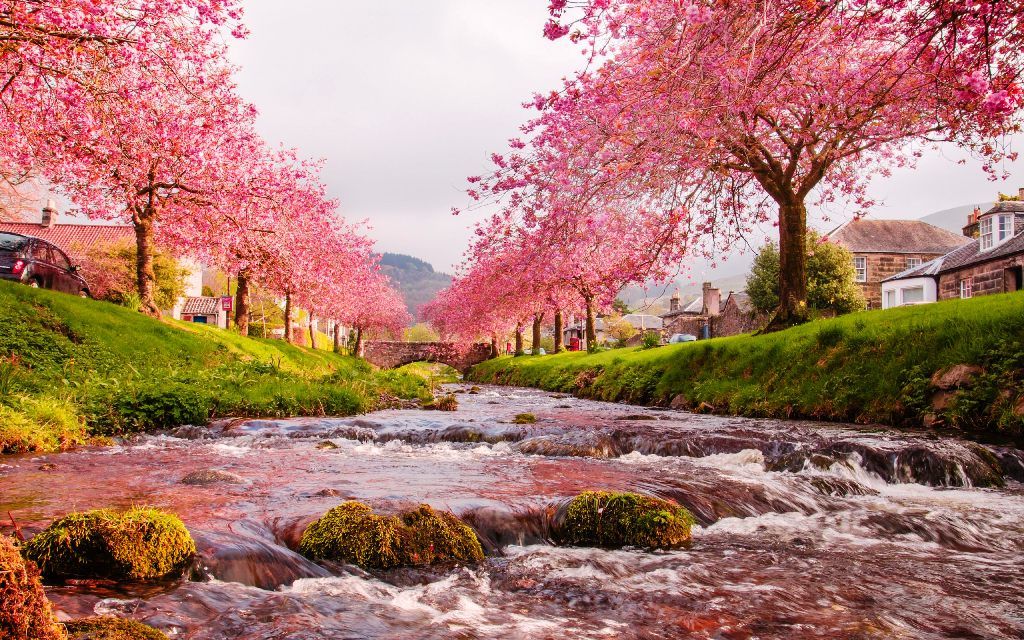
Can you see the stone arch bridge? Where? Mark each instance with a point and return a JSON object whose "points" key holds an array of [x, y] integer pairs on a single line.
{"points": [[389, 355]]}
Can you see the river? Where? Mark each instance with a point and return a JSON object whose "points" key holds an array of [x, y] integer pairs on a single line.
{"points": [[806, 530]]}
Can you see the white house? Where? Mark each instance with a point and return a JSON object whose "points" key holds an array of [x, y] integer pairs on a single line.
{"points": [[917, 285]]}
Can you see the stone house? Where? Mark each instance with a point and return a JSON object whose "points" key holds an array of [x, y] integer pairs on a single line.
{"points": [[709, 317], [883, 248], [992, 261]]}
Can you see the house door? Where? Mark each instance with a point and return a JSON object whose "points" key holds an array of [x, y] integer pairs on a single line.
{"points": [[1013, 279]]}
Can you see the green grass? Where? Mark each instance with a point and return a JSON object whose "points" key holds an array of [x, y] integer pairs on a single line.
{"points": [[868, 367], [73, 368]]}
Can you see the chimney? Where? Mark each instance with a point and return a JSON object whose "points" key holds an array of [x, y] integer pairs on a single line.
{"points": [[673, 303], [712, 300], [49, 214], [1020, 194]]}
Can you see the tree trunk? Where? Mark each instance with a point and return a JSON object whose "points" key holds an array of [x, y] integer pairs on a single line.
{"points": [[145, 276], [357, 350], [519, 339], [558, 331], [537, 319], [288, 318], [494, 346], [312, 332], [337, 337], [591, 330], [242, 304], [792, 266]]}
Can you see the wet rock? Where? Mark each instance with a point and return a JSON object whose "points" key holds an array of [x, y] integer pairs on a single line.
{"points": [[679, 402], [636, 416], [1018, 409], [956, 377], [252, 561], [524, 418], [110, 628], [47, 466], [941, 400], [205, 477], [841, 487], [325, 445], [138, 544], [352, 533], [327, 493], [796, 461], [24, 610], [615, 520], [193, 432]]}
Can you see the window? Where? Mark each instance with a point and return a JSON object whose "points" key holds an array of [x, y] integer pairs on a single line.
{"points": [[967, 288], [913, 263], [913, 295], [59, 259], [1005, 229], [890, 299], [861, 266], [987, 237], [41, 252]]}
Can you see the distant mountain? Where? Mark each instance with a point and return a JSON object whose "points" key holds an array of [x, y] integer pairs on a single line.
{"points": [[954, 219], [415, 279]]}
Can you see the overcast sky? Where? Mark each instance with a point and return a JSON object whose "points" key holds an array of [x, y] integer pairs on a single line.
{"points": [[406, 98]]}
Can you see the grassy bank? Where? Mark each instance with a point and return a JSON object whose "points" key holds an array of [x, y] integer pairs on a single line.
{"points": [[72, 369], [869, 367]]}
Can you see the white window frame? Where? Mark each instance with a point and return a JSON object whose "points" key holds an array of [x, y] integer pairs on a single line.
{"points": [[1004, 229], [890, 298], [903, 295], [966, 287], [860, 265], [987, 234], [913, 263]]}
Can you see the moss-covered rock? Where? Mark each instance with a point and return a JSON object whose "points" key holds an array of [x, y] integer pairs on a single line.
{"points": [[138, 544], [24, 610], [614, 520], [524, 418], [109, 628], [443, 403], [351, 532]]}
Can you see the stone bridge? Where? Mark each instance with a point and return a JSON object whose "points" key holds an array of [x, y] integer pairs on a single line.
{"points": [[389, 355]]}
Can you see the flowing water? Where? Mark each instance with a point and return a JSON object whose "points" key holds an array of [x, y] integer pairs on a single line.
{"points": [[806, 530]]}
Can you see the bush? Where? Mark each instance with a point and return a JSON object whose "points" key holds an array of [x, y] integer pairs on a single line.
{"points": [[25, 612], [444, 403], [163, 406], [352, 533], [39, 425], [110, 628], [615, 520], [651, 340], [138, 544]]}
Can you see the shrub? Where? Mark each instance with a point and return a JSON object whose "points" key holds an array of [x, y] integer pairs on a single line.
{"points": [[138, 544], [110, 628], [443, 403], [651, 340], [615, 520], [351, 532], [163, 406], [39, 425], [24, 610]]}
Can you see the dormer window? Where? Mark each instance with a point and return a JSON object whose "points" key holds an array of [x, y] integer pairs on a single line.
{"points": [[994, 230], [1005, 231], [987, 237]]}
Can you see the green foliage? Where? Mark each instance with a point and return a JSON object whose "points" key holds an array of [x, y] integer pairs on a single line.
{"points": [[351, 532], [615, 520], [651, 340], [831, 278], [39, 424], [620, 329], [620, 307], [421, 332], [110, 628], [25, 613], [138, 544], [524, 418], [111, 273], [446, 402], [870, 367]]}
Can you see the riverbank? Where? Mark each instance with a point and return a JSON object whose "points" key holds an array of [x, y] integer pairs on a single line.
{"points": [[72, 370], [957, 364]]}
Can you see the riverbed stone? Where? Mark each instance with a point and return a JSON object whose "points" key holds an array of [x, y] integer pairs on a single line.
{"points": [[212, 476], [111, 628], [956, 377], [613, 520], [353, 533], [138, 544], [24, 610]]}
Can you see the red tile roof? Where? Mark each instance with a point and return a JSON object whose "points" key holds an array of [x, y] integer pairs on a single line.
{"points": [[896, 236], [201, 306], [71, 238]]}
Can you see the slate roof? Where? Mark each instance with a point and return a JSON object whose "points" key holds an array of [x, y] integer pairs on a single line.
{"points": [[71, 238], [930, 268], [201, 306], [742, 301], [895, 236], [648, 321], [964, 257]]}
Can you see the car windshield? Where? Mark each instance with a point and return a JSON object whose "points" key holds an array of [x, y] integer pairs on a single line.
{"points": [[11, 242]]}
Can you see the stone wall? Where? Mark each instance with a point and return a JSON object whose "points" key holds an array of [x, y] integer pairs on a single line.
{"points": [[733, 321], [987, 278], [685, 323], [389, 355], [882, 266]]}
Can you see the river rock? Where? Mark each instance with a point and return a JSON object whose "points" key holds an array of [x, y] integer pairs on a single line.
{"points": [[205, 477], [111, 628], [614, 520], [679, 401], [956, 377]]}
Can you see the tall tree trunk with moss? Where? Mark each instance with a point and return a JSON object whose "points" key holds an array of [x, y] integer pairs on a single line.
{"points": [[242, 304], [519, 339], [288, 317], [357, 350], [558, 330], [143, 221], [494, 346], [591, 325], [792, 264], [537, 320]]}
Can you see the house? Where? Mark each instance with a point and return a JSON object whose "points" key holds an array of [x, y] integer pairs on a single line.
{"points": [[884, 248], [204, 310], [77, 239], [738, 316], [992, 261], [709, 317]]}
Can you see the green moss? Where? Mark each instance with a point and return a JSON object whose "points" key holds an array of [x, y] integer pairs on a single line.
{"points": [[138, 544], [524, 418], [24, 610], [615, 520], [109, 628], [351, 532], [39, 425], [444, 403]]}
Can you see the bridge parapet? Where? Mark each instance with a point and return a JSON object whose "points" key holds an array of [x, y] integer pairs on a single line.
{"points": [[390, 354]]}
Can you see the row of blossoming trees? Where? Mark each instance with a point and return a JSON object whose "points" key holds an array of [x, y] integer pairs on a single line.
{"points": [[694, 120], [129, 108]]}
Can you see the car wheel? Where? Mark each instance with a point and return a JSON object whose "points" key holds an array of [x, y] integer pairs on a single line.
{"points": [[34, 284], [83, 294]]}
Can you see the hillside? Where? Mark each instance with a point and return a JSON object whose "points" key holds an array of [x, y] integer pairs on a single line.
{"points": [[954, 219], [71, 368], [415, 279]]}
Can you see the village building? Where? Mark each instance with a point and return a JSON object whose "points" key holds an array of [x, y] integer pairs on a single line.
{"points": [[992, 261], [708, 317], [883, 248]]}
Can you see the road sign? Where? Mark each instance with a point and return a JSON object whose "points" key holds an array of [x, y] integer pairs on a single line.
{"points": [[226, 303]]}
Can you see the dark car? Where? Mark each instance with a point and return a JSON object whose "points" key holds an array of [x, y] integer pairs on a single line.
{"points": [[38, 263]]}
